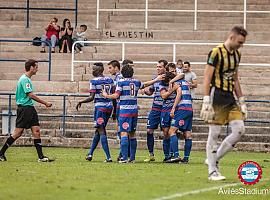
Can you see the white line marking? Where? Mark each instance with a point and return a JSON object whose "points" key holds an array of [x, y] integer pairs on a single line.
{"points": [[181, 194]]}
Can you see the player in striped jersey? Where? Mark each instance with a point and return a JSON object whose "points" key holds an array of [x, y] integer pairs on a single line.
{"points": [[154, 116], [127, 90], [103, 109], [181, 114]]}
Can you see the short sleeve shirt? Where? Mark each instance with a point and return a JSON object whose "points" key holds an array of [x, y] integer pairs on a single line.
{"points": [[24, 86]]}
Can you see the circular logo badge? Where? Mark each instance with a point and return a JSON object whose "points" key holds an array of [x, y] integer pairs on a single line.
{"points": [[100, 120], [181, 122], [125, 125], [249, 172]]}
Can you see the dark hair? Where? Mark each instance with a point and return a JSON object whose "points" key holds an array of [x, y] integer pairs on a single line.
{"points": [[29, 63], [188, 63], [98, 69], [55, 19], [239, 30], [127, 71], [179, 60], [115, 64], [64, 22], [83, 26], [127, 62], [165, 62], [168, 76], [171, 65]]}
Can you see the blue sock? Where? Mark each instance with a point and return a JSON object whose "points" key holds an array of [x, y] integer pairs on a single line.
{"points": [[187, 148], [94, 144], [174, 145], [171, 150], [166, 147], [105, 146], [128, 148], [124, 147], [133, 148], [150, 143]]}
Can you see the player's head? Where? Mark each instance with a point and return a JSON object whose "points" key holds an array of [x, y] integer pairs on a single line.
{"points": [[237, 37], [114, 67], [127, 62], [97, 69], [171, 68], [186, 67], [161, 66], [31, 66], [168, 76], [179, 63], [127, 71]]}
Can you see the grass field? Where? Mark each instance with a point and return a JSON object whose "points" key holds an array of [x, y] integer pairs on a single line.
{"points": [[71, 177]]}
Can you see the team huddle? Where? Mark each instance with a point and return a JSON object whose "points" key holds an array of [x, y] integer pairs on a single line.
{"points": [[171, 108]]}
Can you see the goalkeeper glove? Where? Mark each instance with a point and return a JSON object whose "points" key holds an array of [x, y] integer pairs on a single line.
{"points": [[207, 112], [243, 106]]}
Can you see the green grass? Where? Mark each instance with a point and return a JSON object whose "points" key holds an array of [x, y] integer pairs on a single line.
{"points": [[71, 177]]}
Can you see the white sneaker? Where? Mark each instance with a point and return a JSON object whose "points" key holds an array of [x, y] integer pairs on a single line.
{"points": [[206, 161], [81, 51], [215, 176]]}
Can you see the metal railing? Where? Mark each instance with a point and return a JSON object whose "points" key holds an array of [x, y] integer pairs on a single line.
{"points": [[28, 8], [49, 61], [64, 114], [146, 10], [172, 44]]}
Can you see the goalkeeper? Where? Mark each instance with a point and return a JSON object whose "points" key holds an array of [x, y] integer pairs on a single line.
{"points": [[219, 107]]}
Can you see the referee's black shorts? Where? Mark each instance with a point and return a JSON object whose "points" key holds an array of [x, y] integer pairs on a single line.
{"points": [[26, 117]]}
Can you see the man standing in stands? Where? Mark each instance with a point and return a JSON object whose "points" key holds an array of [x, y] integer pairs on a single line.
{"points": [[219, 107], [190, 77], [27, 116]]}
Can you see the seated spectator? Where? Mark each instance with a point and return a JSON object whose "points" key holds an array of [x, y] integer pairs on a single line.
{"points": [[65, 43], [52, 35], [80, 36]]}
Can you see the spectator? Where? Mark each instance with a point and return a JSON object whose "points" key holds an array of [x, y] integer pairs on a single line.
{"points": [[52, 35], [190, 77], [80, 36], [66, 37]]}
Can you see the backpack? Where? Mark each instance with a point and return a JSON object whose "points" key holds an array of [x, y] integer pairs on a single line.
{"points": [[36, 41]]}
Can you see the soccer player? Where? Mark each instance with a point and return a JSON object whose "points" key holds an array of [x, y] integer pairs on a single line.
{"points": [[219, 107], [103, 109], [168, 95], [27, 116], [154, 116], [181, 114], [127, 90]]}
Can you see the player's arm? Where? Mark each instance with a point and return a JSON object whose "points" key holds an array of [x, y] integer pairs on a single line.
{"points": [[177, 99], [87, 100], [208, 74], [166, 93], [110, 96], [193, 84], [177, 77], [39, 100], [148, 83], [239, 94]]}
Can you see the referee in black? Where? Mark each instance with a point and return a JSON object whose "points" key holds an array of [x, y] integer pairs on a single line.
{"points": [[26, 113]]}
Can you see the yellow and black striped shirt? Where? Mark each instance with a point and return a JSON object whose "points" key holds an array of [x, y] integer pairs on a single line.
{"points": [[225, 64]]}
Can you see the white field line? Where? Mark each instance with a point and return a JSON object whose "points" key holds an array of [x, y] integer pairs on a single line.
{"points": [[181, 194]]}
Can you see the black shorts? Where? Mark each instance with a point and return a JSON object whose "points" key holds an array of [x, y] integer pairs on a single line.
{"points": [[26, 117], [223, 99]]}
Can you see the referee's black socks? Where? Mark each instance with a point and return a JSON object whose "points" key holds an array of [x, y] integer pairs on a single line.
{"points": [[38, 146], [7, 144]]}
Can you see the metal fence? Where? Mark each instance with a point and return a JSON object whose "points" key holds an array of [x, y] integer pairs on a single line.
{"points": [[63, 115], [147, 10], [28, 8], [49, 61]]}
